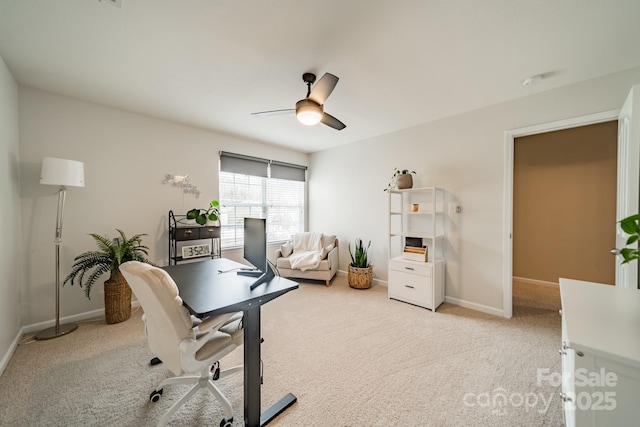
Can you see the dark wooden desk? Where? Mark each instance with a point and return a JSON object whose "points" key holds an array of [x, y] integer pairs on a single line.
{"points": [[205, 292]]}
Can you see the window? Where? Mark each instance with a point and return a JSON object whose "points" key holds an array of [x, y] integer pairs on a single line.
{"points": [[260, 188]]}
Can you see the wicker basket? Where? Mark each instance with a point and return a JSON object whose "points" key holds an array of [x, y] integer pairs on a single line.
{"points": [[360, 278], [117, 300]]}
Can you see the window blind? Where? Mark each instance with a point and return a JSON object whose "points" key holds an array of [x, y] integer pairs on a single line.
{"points": [[246, 165], [261, 188]]}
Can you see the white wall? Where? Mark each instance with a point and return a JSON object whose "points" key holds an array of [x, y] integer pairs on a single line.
{"points": [[465, 155], [126, 157], [9, 213]]}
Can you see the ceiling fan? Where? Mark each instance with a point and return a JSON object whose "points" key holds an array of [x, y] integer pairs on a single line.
{"points": [[309, 110]]}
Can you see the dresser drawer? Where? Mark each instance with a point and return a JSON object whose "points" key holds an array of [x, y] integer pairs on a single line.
{"points": [[410, 287], [419, 268], [187, 233], [209, 232]]}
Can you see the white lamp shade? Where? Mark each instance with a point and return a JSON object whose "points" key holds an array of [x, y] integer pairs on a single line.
{"points": [[62, 172]]}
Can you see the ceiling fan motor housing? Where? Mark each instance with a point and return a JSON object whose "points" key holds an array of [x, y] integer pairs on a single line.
{"points": [[309, 78]]}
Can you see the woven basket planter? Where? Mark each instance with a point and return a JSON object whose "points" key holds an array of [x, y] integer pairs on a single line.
{"points": [[117, 300], [360, 278], [405, 181]]}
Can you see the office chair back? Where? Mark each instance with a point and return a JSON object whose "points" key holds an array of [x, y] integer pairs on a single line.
{"points": [[167, 321]]}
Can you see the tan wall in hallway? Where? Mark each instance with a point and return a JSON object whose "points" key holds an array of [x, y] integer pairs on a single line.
{"points": [[564, 204]]}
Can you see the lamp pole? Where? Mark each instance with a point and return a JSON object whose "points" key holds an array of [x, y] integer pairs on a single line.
{"points": [[58, 330], [63, 173]]}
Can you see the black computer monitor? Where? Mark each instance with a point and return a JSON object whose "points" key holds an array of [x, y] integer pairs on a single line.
{"points": [[255, 248], [255, 242]]}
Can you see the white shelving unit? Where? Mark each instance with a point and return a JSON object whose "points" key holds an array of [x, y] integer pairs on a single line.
{"points": [[417, 282]]}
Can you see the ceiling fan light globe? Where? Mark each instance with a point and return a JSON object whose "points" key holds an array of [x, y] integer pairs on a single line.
{"points": [[308, 112], [309, 118]]}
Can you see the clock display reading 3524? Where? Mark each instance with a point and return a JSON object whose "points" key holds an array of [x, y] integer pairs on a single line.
{"points": [[196, 250]]}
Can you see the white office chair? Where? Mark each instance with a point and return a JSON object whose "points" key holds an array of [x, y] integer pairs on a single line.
{"points": [[186, 350]]}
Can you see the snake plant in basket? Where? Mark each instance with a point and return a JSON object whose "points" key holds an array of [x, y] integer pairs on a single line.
{"points": [[90, 265], [360, 274]]}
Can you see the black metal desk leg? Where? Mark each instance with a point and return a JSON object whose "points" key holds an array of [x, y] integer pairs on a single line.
{"points": [[252, 366], [252, 375]]}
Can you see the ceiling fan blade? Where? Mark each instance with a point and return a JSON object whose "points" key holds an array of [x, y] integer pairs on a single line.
{"points": [[274, 112], [323, 88], [331, 121]]}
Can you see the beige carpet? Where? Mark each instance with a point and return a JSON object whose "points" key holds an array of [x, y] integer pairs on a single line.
{"points": [[534, 300], [352, 357]]}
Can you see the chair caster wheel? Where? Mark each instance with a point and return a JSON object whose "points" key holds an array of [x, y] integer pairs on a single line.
{"points": [[226, 422], [155, 395]]}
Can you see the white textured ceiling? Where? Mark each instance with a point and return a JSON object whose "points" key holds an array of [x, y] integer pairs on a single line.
{"points": [[210, 63]]}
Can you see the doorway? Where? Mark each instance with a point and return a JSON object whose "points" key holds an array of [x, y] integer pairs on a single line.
{"points": [[564, 211], [510, 137]]}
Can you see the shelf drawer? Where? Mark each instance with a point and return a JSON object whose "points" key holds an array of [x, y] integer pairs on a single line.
{"points": [[187, 233], [209, 232], [422, 269], [410, 287]]}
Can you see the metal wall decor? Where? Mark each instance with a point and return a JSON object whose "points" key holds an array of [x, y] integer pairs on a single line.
{"points": [[181, 181]]}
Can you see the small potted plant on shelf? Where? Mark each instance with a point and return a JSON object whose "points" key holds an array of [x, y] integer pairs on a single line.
{"points": [[360, 274], [202, 216], [401, 179], [111, 254]]}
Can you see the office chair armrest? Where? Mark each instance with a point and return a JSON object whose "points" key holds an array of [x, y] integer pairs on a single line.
{"points": [[214, 322], [189, 347], [204, 332]]}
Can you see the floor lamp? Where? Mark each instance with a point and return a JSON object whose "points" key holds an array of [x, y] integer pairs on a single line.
{"points": [[64, 173]]}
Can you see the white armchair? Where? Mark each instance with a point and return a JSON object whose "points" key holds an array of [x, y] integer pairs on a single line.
{"points": [[326, 247], [189, 352]]}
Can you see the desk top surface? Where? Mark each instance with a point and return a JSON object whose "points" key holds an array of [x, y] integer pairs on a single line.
{"points": [[602, 319], [207, 288]]}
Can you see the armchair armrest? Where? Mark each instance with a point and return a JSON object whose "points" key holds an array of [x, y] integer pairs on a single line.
{"points": [[333, 257]]}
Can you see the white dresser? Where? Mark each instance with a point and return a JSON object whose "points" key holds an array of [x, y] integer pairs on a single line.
{"points": [[600, 354]]}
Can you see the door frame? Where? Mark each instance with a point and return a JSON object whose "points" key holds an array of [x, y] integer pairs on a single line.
{"points": [[509, 143]]}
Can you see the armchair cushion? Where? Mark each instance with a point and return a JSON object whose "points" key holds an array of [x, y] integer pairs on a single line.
{"points": [[286, 249]]}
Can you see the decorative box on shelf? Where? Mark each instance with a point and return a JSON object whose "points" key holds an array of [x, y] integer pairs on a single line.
{"points": [[413, 253]]}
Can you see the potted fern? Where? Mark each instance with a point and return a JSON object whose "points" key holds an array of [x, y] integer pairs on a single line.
{"points": [[360, 274], [90, 265]]}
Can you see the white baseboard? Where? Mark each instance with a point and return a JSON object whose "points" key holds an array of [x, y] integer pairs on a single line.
{"points": [[474, 306], [462, 303], [25, 330], [7, 356], [77, 318], [376, 281], [536, 282], [451, 300]]}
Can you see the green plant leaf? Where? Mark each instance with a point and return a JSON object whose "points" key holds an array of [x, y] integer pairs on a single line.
{"points": [[629, 226], [633, 239], [193, 213], [359, 256], [111, 254]]}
